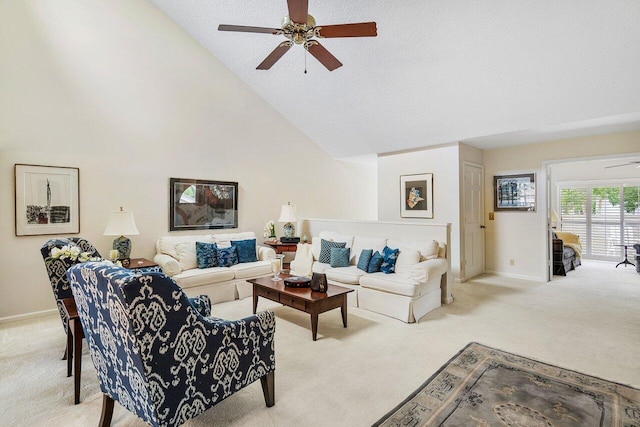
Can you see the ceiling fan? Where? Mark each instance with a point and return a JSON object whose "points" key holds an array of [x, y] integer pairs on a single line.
{"points": [[632, 162], [300, 28]]}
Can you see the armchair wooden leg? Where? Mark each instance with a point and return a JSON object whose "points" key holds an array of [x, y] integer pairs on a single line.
{"points": [[107, 411], [268, 388]]}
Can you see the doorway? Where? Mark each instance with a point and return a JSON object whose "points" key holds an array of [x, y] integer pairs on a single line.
{"points": [[473, 235]]}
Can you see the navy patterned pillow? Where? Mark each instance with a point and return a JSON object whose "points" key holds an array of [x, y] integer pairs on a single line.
{"points": [[375, 263], [325, 250], [246, 250], [365, 257], [389, 260], [340, 257], [227, 256], [206, 254]]}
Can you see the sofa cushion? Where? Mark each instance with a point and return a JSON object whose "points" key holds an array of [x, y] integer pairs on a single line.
{"points": [[348, 275], [339, 257], [206, 255], [375, 263], [337, 237], [364, 258], [204, 276], [360, 243], [246, 250], [227, 256], [396, 284], [325, 250], [186, 255], [247, 270], [224, 240], [389, 257], [320, 267], [167, 244], [407, 259], [429, 249]]}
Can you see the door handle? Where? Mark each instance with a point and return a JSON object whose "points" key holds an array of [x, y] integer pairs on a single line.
{"points": [[482, 226]]}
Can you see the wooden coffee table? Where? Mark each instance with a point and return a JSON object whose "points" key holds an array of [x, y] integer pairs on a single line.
{"points": [[303, 299]]}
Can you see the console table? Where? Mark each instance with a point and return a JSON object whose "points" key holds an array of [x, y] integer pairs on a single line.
{"points": [[281, 248]]}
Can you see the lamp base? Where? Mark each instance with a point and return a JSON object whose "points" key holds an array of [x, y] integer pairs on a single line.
{"points": [[123, 246], [289, 230]]}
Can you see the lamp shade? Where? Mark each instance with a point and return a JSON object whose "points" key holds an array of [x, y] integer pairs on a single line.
{"points": [[288, 213], [121, 223], [554, 217]]}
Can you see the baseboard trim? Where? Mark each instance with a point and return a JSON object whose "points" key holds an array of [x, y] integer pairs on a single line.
{"points": [[514, 276], [27, 316]]}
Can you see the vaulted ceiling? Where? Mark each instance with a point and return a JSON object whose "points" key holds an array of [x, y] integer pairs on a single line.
{"points": [[488, 73]]}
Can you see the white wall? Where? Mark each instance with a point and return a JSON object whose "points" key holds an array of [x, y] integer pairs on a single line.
{"points": [[522, 236], [443, 162], [115, 88]]}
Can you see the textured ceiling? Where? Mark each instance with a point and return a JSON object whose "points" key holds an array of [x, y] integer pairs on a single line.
{"points": [[489, 73]]}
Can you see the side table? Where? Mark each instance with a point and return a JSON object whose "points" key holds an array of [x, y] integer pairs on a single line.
{"points": [[144, 265], [281, 248], [75, 335]]}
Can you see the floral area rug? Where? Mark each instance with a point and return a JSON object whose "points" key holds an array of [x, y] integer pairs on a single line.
{"points": [[482, 386]]}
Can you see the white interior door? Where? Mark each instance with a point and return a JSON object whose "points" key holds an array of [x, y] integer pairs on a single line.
{"points": [[473, 220]]}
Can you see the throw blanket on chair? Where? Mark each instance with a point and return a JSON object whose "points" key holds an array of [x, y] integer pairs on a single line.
{"points": [[304, 260], [571, 240]]}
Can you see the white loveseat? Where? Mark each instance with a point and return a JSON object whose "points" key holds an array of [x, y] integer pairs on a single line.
{"points": [[177, 257], [408, 294]]}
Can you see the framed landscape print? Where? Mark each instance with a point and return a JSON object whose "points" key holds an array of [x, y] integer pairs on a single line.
{"points": [[515, 192], [196, 204], [47, 200], [416, 196]]}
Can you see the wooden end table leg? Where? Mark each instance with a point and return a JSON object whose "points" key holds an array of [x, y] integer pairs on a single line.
{"points": [[69, 351], [343, 309], [77, 350]]}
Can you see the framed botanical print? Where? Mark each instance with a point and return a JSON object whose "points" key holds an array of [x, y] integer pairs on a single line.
{"points": [[416, 196], [196, 204], [47, 200]]}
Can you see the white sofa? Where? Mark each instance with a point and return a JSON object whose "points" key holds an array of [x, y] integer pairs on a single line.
{"points": [[408, 294], [177, 257]]}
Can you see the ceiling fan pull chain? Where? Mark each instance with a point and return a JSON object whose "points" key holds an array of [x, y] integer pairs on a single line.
{"points": [[305, 61]]}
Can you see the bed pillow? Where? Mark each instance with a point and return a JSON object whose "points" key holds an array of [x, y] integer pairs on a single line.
{"points": [[206, 253], [227, 256], [246, 250], [340, 257], [389, 257], [375, 263], [365, 257], [325, 250]]}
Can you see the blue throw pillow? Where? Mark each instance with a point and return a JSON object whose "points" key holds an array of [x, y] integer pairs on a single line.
{"points": [[206, 254], [375, 263], [227, 256], [389, 257], [246, 250], [325, 250], [365, 257], [340, 257]]}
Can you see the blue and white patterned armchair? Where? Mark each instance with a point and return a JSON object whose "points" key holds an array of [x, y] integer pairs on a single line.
{"points": [[156, 355]]}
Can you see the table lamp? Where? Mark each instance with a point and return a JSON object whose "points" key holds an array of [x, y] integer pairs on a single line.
{"points": [[120, 223], [288, 216], [555, 220]]}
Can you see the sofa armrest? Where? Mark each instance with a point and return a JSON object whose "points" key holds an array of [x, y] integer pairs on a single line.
{"points": [[425, 270], [265, 253], [170, 266]]}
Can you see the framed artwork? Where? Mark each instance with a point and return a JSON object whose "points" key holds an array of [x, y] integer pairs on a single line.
{"points": [[196, 204], [47, 200], [515, 192], [416, 196]]}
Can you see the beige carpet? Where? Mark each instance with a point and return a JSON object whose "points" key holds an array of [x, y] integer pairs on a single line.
{"points": [[588, 321]]}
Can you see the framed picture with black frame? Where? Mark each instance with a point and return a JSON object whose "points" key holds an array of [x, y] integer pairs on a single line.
{"points": [[47, 200], [196, 204], [516, 192]]}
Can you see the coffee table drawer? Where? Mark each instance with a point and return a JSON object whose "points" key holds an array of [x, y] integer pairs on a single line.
{"points": [[292, 302], [267, 293]]}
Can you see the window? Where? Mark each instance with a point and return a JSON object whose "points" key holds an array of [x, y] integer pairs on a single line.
{"points": [[604, 216]]}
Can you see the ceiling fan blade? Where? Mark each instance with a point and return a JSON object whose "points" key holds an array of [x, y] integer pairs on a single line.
{"points": [[275, 55], [362, 29], [323, 55], [245, 29], [298, 10]]}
